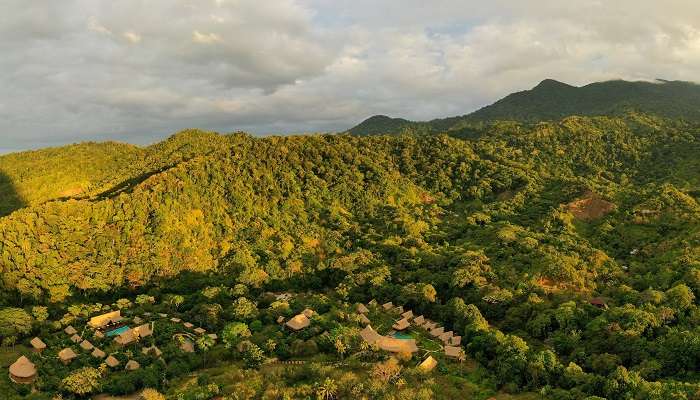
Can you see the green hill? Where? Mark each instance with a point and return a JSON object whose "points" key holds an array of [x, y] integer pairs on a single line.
{"points": [[552, 100]]}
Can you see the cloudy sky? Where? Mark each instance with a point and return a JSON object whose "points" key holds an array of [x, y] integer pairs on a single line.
{"points": [[138, 70]]}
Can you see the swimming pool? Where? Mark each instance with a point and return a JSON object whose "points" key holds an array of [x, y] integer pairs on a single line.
{"points": [[118, 331], [401, 335]]}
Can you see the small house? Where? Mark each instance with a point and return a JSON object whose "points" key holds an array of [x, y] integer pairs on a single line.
{"points": [[446, 336], [408, 314], [188, 325], [280, 319], [436, 332], [419, 320], [86, 345], [213, 336], [138, 320], [298, 322], [76, 338], [97, 353], [428, 364], [103, 320], [455, 341], [362, 309], [176, 320], [112, 362], [401, 325], [70, 331], [455, 353], [364, 320], [308, 312], [388, 306], [132, 365], [38, 345], [23, 371], [66, 355], [200, 331]]}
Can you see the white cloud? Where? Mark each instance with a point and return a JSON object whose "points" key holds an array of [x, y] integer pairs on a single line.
{"points": [[298, 65]]}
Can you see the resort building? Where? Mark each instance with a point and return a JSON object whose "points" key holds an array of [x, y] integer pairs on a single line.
{"points": [[386, 343], [446, 336], [112, 362], [455, 340], [38, 345], [103, 320], [454, 352], [23, 371], [97, 353], [408, 314], [388, 306], [298, 322], [200, 331], [188, 325], [132, 365], [419, 320], [86, 345], [436, 332], [76, 338], [308, 312], [362, 309], [70, 331], [364, 320], [66, 355], [401, 325]]}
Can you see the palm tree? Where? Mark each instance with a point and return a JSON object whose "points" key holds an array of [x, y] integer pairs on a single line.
{"points": [[204, 343], [327, 390]]}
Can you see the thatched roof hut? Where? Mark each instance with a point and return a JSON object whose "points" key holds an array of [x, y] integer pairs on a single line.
{"points": [[428, 364], [408, 314], [99, 335], [143, 331], [70, 331], [132, 365], [401, 324], [66, 355], [298, 322], [280, 319], [200, 331], [455, 340], [105, 319], [187, 346], [436, 332], [23, 371], [125, 338], [38, 344], [399, 309], [428, 325], [188, 325], [176, 320], [372, 303], [111, 361], [362, 309], [454, 352], [364, 320], [213, 336], [86, 345], [308, 312], [76, 338], [388, 306], [97, 353], [446, 336], [419, 320], [385, 343], [153, 350]]}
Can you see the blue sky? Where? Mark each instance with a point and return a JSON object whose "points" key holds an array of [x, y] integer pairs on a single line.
{"points": [[136, 71]]}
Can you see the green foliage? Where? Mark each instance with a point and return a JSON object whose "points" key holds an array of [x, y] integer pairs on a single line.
{"points": [[14, 321], [82, 381]]}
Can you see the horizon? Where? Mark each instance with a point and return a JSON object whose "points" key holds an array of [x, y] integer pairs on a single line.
{"points": [[92, 71]]}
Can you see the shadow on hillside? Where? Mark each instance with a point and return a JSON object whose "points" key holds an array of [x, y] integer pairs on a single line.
{"points": [[10, 200], [128, 185]]}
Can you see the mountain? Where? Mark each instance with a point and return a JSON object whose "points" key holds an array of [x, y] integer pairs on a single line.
{"points": [[564, 254], [552, 100]]}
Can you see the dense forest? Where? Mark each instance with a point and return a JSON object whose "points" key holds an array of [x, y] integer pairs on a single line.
{"points": [[567, 253]]}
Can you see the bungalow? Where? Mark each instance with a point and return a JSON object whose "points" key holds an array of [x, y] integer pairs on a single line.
{"points": [[364, 320], [213, 336], [455, 340], [388, 306], [76, 338], [200, 331], [446, 336], [428, 364], [38, 345], [23, 371], [308, 312], [362, 309], [419, 320], [103, 320], [401, 325], [280, 319], [111, 361], [188, 325], [436, 332], [153, 350], [399, 309], [70, 331], [389, 344], [176, 320], [298, 322], [97, 353], [454, 352], [132, 365], [408, 314], [66, 355], [428, 325], [86, 345]]}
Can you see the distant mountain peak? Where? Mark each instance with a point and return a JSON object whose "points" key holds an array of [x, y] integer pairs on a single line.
{"points": [[552, 83]]}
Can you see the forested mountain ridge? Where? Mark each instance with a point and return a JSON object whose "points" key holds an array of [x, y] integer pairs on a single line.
{"points": [[505, 236], [553, 100]]}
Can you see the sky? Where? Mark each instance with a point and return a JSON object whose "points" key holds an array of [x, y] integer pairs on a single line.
{"points": [[139, 70]]}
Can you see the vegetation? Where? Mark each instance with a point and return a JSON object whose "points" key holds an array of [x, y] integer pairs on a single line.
{"points": [[566, 254]]}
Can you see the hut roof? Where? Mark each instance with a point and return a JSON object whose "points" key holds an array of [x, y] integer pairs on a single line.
{"points": [[143, 330], [598, 302], [362, 309], [200, 331], [163, 315], [132, 365], [23, 368], [99, 334], [364, 320], [372, 302], [280, 319], [187, 346], [388, 306], [428, 325], [213, 336], [435, 332], [298, 322], [153, 350], [188, 325], [86, 345], [308, 312], [111, 361], [408, 314], [399, 309], [454, 352], [176, 320], [390, 344], [37, 343], [138, 320], [419, 320], [67, 354], [428, 364], [76, 338], [97, 353], [401, 324], [126, 337], [70, 330], [105, 319], [455, 340], [446, 336]]}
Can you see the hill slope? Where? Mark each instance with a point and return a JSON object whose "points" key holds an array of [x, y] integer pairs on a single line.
{"points": [[552, 100]]}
